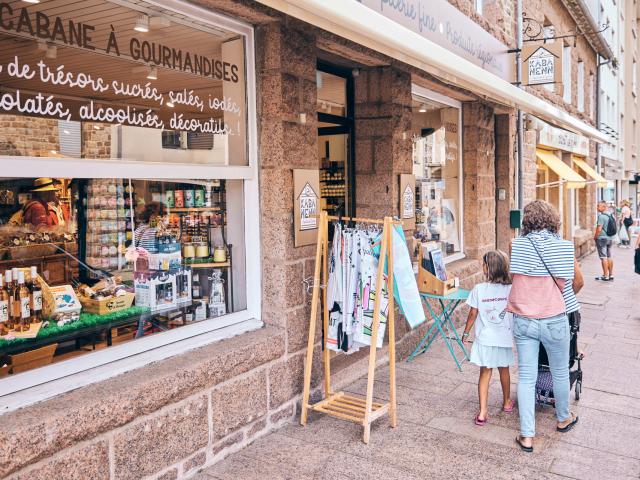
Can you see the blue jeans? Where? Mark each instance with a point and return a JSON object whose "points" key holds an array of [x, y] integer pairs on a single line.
{"points": [[554, 333]]}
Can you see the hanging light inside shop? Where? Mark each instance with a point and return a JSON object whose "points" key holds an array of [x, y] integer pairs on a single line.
{"points": [[31, 1], [423, 108], [152, 74], [142, 23]]}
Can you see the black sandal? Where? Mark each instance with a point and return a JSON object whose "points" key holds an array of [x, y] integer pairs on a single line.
{"points": [[524, 448], [569, 426]]}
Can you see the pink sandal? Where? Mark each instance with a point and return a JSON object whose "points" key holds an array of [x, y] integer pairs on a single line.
{"points": [[510, 408], [480, 423]]}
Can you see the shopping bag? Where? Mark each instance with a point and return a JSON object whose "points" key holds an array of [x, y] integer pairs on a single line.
{"points": [[624, 236], [636, 261]]}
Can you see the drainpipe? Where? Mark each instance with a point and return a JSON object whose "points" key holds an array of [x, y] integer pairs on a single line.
{"points": [[519, 125], [597, 100]]}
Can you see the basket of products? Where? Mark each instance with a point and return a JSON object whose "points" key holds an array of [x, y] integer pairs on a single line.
{"points": [[106, 296]]}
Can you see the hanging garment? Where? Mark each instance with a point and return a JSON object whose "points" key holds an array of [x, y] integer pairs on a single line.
{"points": [[335, 293], [405, 288], [367, 295]]}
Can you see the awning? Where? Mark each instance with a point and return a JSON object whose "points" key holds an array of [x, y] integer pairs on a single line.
{"points": [[360, 24], [586, 168], [564, 171]]}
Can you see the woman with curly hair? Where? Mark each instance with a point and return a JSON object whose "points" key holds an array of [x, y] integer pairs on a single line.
{"points": [[543, 270]]}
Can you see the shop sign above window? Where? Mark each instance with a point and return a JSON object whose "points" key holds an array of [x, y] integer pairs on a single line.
{"points": [[543, 63], [560, 139], [132, 73], [445, 25]]}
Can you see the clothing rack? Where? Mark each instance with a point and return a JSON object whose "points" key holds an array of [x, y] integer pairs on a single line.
{"points": [[362, 411]]}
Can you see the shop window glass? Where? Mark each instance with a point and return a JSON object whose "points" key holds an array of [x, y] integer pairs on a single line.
{"points": [[119, 259], [116, 260], [146, 85], [436, 166]]}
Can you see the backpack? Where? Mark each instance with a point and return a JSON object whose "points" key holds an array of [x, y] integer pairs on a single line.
{"points": [[610, 229]]}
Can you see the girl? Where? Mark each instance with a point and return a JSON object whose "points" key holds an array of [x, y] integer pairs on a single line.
{"points": [[493, 345]]}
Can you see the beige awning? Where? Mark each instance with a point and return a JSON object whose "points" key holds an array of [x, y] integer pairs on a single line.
{"points": [[586, 168], [567, 175]]}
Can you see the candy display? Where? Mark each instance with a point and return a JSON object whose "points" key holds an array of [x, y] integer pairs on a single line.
{"points": [[109, 204]]}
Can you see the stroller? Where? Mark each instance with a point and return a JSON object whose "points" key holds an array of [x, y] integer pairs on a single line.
{"points": [[544, 385]]}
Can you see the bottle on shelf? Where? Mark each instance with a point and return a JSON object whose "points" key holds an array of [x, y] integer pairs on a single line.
{"points": [[4, 307], [35, 293], [21, 310], [8, 287]]}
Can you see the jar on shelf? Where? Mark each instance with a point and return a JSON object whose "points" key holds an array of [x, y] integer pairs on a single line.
{"points": [[219, 254], [202, 250], [188, 250]]}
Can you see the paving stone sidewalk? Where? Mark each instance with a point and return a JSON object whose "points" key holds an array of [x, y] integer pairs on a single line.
{"points": [[436, 437]]}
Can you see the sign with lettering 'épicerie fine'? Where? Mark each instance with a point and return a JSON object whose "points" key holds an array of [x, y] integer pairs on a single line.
{"points": [[445, 25]]}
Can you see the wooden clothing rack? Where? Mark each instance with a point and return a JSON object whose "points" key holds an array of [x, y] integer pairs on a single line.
{"points": [[362, 411]]}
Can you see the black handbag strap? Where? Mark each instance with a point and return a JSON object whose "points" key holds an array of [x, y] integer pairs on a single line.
{"points": [[545, 264]]}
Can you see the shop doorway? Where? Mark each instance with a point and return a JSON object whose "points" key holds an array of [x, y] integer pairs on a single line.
{"points": [[336, 149]]}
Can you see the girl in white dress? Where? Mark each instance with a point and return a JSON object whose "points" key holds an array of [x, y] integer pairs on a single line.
{"points": [[493, 344]]}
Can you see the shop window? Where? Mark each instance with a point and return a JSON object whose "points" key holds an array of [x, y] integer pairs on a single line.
{"points": [[436, 166], [127, 195]]}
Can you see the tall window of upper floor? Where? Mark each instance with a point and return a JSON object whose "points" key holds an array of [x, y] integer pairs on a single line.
{"points": [[549, 32], [566, 74], [580, 86]]}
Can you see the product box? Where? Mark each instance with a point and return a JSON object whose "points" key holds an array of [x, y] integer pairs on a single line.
{"points": [[169, 247], [183, 284], [156, 290], [65, 299], [165, 261], [217, 310]]}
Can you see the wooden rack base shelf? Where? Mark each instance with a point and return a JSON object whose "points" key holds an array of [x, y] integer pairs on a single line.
{"points": [[360, 410]]}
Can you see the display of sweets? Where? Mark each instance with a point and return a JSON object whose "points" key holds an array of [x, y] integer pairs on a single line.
{"points": [[109, 210]]}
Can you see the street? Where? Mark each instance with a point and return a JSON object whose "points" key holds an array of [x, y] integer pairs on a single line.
{"points": [[436, 436]]}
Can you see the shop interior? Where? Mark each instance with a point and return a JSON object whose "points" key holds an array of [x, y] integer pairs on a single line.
{"points": [[335, 140], [114, 260], [436, 167]]}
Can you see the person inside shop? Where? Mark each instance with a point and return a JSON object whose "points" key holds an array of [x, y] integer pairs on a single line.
{"points": [[145, 234], [44, 211]]}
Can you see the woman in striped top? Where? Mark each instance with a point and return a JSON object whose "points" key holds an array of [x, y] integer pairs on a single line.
{"points": [[543, 269], [145, 235]]}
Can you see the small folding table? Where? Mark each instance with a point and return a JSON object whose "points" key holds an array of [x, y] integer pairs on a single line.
{"points": [[443, 323]]}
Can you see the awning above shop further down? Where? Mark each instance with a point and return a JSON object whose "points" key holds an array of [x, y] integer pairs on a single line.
{"points": [[586, 168], [360, 24], [571, 178]]}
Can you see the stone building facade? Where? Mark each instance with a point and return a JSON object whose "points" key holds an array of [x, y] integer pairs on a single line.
{"points": [[167, 419]]}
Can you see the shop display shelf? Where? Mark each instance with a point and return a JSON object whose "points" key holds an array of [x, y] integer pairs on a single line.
{"points": [[193, 209], [209, 265]]}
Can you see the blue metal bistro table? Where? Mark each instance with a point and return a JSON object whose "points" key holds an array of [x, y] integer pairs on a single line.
{"points": [[443, 323]]}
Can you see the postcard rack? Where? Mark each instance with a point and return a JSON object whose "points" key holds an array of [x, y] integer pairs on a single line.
{"points": [[362, 411]]}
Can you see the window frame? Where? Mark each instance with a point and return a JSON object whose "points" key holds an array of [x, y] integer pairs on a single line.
{"points": [[580, 86], [69, 374], [450, 102]]}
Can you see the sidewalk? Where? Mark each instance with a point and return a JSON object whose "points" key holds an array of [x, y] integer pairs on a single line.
{"points": [[436, 437]]}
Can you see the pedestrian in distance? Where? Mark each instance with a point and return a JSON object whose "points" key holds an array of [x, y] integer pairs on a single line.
{"points": [[542, 264], [626, 221], [493, 340], [605, 231]]}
